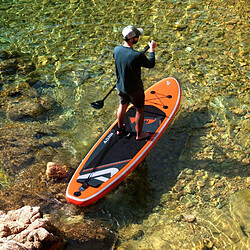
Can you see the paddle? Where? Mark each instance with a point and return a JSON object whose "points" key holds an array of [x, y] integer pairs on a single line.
{"points": [[99, 104]]}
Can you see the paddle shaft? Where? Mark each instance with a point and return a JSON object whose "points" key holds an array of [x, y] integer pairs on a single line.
{"points": [[109, 93]]}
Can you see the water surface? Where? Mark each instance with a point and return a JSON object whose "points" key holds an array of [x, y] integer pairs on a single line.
{"points": [[56, 58]]}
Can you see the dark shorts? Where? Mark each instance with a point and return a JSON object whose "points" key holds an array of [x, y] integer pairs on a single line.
{"points": [[137, 98]]}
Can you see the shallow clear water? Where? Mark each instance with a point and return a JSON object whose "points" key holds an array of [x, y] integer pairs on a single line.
{"points": [[63, 52]]}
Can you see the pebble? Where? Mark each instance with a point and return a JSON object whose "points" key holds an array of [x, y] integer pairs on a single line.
{"points": [[189, 217], [219, 185], [176, 196], [178, 218], [191, 6], [190, 189], [211, 183], [188, 49], [248, 180], [182, 175], [219, 205], [201, 183], [245, 161], [180, 27], [190, 204], [189, 171], [240, 111]]}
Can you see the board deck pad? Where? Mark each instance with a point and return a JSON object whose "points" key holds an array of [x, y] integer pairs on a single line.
{"points": [[114, 156]]}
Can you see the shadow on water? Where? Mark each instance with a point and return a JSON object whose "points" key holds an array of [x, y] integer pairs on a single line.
{"points": [[141, 192]]}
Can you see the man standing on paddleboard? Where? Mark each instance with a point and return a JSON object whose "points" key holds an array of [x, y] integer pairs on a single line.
{"points": [[128, 63]]}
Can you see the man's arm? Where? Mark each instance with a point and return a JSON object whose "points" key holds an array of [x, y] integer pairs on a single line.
{"points": [[150, 61]]}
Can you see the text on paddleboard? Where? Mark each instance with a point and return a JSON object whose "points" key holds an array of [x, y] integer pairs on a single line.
{"points": [[107, 138]]}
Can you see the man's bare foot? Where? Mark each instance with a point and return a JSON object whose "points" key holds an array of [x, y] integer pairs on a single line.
{"points": [[142, 136]]}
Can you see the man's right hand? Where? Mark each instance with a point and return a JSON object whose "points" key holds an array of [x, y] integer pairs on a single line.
{"points": [[152, 46]]}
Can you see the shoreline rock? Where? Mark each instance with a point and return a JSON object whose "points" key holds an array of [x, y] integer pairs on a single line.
{"points": [[25, 228]]}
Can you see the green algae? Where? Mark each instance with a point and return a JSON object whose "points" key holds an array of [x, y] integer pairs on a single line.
{"points": [[4, 178]]}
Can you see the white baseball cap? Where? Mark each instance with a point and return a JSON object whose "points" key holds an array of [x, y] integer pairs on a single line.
{"points": [[131, 31]]}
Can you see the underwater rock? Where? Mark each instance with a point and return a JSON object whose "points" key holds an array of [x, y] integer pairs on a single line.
{"points": [[4, 55], [204, 244], [25, 109], [189, 217], [9, 67], [86, 234], [13, 62], [240, 209], [55, 171], [33, 78], [22, 103], [25, 228], [22, 144], [21, 90], [191, 7], [229, 226], [180, 27], [29, 109]]}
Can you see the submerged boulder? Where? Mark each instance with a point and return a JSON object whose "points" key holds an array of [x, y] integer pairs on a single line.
{"points": [[30, 109], [13, 62], [23, 103], [55, 171], [25, 109]]}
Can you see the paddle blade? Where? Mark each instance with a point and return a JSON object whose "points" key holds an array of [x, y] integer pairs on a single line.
{"points": [[97, 104]]}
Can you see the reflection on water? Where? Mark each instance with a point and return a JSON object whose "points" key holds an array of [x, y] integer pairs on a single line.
{"points": [[56, 58]]}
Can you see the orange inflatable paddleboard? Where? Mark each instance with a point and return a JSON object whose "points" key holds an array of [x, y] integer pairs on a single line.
{"points": [[113, 157]]}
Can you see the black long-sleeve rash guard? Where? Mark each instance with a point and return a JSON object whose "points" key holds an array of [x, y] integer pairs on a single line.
{"points": [[128, 63]]}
